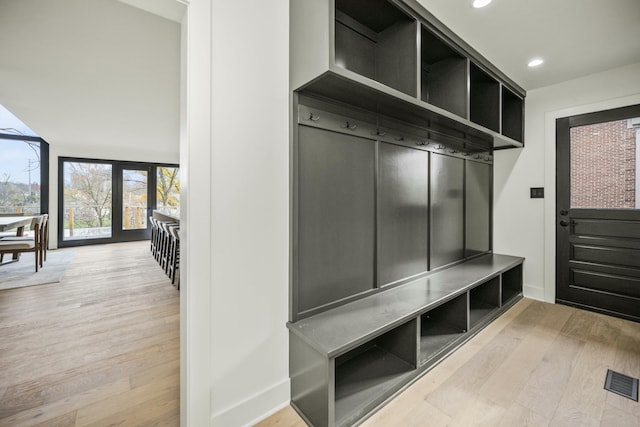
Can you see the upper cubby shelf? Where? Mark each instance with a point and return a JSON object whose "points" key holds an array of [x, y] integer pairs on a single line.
{"points": [[393, 58]]}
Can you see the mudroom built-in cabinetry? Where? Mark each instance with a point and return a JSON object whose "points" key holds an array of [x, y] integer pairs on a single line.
{"points": [[394, 124]]}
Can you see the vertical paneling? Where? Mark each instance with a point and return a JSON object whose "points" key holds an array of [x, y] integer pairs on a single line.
{"points": [[447, 210], [478, 207], [336, 228], [403, 247]]}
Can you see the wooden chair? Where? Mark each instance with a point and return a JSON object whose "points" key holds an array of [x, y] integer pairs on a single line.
{"points": [[26, 243]]}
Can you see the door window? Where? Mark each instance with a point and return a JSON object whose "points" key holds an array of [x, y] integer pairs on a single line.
{"points": [[604, 165]]}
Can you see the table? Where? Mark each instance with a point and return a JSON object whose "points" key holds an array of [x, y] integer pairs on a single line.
{"points": [[11, 222]]}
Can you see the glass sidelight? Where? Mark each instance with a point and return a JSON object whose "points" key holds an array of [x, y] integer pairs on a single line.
{"points": [[86, 208]]}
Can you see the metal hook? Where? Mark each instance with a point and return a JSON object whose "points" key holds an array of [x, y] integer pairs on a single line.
{"points": [[313, 117], [350, 126], [400, 139], [380, 132]]}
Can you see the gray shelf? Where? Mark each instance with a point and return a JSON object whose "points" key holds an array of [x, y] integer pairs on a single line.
{"points": [[483, 300], [370, 373], [350, 88], [442, 326], [343, 328], [511, 283]]}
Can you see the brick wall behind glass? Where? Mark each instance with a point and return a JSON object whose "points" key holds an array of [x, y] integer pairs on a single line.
{"points": [[603, 166]]}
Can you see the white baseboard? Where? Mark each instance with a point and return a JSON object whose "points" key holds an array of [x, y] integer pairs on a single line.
{"points": [[533, 292], [256, 408]]}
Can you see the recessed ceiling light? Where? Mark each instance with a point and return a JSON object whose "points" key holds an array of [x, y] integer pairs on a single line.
{"points": [[535, 62], [480, 3]]}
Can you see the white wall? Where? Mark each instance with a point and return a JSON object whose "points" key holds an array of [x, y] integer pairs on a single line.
{"points": [[250, 209], [525, 226]]}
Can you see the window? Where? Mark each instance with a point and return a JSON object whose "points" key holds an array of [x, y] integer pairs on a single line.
{"points": [[24, 167]]}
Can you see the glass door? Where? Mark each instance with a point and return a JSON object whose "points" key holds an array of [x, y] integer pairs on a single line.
{"points": [[86, 200], [135, 200], [105, 201]]}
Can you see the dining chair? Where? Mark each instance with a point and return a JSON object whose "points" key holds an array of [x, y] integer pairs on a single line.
{"points": [[26, 243]]}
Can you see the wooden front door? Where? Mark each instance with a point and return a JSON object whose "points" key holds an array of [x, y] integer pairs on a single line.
{"points": [[598, 212]]}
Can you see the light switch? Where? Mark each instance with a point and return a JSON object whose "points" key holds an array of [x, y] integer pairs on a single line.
{"points": [[537, 192]]}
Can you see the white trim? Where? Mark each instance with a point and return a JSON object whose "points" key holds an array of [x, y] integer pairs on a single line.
{"points": [[195, 165], [637, 168], [550, 181], [267, 402], [533, 292]]}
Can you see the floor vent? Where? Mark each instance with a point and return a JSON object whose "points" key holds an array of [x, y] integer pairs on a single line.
{"points": [[621, 384]]}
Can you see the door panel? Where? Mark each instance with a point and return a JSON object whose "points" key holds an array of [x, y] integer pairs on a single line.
{"points": [[619, 285], [607, 255], [598, 215]]}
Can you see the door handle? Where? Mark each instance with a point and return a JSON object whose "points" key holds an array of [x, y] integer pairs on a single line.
{"points": [[564, 223]]}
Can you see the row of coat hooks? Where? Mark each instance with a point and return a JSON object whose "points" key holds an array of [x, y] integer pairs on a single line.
{"points": [[350, 125]]}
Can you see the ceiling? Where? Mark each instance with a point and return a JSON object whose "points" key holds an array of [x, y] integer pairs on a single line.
{"points": [[574, 37]]}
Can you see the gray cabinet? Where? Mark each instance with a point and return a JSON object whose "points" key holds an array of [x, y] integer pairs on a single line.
{"points": [[403, 242], [397, 59], [336, 219]]}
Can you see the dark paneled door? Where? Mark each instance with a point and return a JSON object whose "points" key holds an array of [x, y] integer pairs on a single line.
{"points": [[598, 212]]}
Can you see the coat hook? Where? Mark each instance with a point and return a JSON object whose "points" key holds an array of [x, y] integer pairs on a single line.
{"points": [[453, 151], [400, 139], [477, 157], [439, 147], [313, 117], [350, 126], [380, 132]]}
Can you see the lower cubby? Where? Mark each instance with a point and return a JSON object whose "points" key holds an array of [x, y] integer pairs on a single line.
{"points": [[348, 361], [442, 326], [367, 375], [483, 300], [511, 283]]}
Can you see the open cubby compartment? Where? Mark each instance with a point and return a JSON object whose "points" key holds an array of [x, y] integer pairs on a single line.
{"points": [[512, 115], [442, 326], [377, 40], [484, 99], [511, 283], [443, 74], [484, 299], [370, 373]]}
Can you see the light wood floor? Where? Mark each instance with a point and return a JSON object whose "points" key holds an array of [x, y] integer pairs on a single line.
{"points": [[100, 348], [537, 365]]}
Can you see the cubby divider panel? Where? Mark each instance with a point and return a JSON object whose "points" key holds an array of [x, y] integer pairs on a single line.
{"points": [[484, 99], [483, 300], [443, 75], [512, 115], [377, 40], [442, 326], [511, 283], [368, 374]]}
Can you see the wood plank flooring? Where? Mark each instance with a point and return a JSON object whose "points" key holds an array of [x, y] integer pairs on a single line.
{"points": [[537, 365], [100, 348]]}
